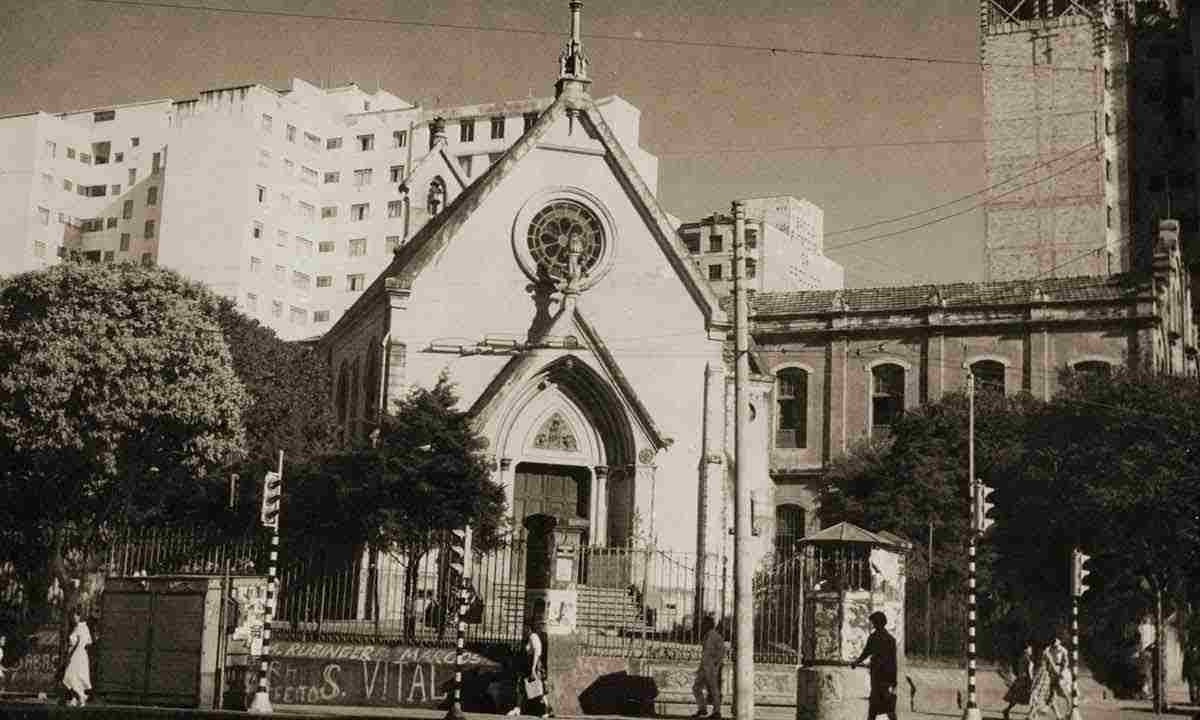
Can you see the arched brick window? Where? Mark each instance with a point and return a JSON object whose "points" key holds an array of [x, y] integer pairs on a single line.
{"points": [[887, 395], [789, 526], [989, 376], [343, 389], [1094, 367], [791, 397]]}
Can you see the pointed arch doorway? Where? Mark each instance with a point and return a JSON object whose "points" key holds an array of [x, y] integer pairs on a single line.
{"points": [[562, 491]]}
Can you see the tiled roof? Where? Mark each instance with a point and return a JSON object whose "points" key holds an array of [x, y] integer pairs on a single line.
{"points": [[911, 297]]}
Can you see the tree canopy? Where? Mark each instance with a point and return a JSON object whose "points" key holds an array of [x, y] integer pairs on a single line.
{"points": [[115, 387]]}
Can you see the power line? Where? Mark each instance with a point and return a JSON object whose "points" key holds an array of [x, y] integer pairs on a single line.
{"points": [[773, 50], [955, 201], [838, 146]]}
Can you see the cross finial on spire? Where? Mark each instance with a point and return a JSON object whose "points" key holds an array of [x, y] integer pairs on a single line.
{"points": [[572, 63]]}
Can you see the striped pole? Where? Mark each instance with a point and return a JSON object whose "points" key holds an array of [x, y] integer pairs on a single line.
{"points": [[456, 712], [1075, 714], [261, 704], [972, 710]]}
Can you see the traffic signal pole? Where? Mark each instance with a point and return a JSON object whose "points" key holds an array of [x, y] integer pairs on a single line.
{"points": [[1079, 586], [460, 561], [972, 710], [272, 499]]}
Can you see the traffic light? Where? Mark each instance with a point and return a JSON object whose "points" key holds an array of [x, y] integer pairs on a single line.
{"points": [[460, 550], [983, 506], [271, 496], [1079, 572]]}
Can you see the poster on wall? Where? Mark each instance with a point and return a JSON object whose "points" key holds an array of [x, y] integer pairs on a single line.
{"points": [[36, 671]]}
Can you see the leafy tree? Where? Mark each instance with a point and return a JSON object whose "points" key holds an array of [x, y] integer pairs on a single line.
{"points": [[116, 388], [424, 475]]}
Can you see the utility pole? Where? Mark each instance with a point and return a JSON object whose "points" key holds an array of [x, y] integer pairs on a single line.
{"points": [[743, 599], [929, 597], [972, 710]]}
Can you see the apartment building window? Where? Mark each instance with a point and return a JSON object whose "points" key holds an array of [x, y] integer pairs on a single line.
{"points": [[252, 302], [264, 158], [132, 177], [93, 190], [260, 193], [359, 211], [104, 115], [43, 215], [256, 230], [320, 316], [530, 120], [109, 256], [39, 249], [124, 246], [101, 151], [48, 181], [751, 268], [267, 122], [324, 281], [285, 201], [308, 210], [92, 225], [692, 243], [300, 280], [135, 141], [355, 282], [85, 158], [70, 153], [358, 247], [147, 259], [333, 143], [118, 157], [791, 392], [751, 238], [290, 134], [255, 265], [396, 174], [395, 208], [68, 185], [313, 141], [114, 190], [464, 164], [299, 316], [308, 175], [715, 242], [51, 149], [276, 309], [497, 128], [110, 223], [332, 177], [399, 138], [149, 229], [391, 243], [304, 247], [887, 395], [366, 142], [326, 246], [155, 163], [152, 195], [715, 272], [466, 130], [362, 177], [280, 274], [328, 212]]}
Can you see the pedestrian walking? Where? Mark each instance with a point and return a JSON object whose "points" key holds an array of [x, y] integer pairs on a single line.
{"points": [[531, 689], [1022, 685], [708, 675], [1053, 678], [881, 648], [77, 677]]}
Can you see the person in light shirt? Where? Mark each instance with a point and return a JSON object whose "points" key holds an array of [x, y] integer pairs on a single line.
{"points": [[708, 675]]}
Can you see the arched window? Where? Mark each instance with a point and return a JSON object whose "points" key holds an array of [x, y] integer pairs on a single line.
{"points": [[437, 196], [989, 376], [355, 376], [371, 382], [1094, 367], [789, 526], [887, 395], [792, 399], [343, 389]]}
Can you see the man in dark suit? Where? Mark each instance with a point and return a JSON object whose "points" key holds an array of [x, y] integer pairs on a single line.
{"points": [[881, 648]]}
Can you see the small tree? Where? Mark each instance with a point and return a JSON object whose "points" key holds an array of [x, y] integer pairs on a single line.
{"points": [[116, 390]]}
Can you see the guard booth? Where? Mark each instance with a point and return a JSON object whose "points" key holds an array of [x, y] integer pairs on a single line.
{"points": [[163, 639], [847, 574]]}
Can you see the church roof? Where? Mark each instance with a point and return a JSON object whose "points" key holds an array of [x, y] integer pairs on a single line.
{"points": [[965, 294], [851, 533]]}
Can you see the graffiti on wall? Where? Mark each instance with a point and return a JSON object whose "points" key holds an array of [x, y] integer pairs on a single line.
{"points": [[37, 670]]}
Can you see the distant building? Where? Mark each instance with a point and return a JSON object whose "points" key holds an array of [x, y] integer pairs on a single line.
{"points": [[288, 201], [783, 246]]}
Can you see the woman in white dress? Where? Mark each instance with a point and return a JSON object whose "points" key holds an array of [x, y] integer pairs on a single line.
{"points": [[78, 676]]}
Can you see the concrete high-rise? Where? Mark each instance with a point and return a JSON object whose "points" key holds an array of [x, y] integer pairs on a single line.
{"points": [[288, 201]]}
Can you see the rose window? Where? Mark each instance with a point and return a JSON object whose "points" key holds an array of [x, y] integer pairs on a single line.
{"points": [[559, 226]]}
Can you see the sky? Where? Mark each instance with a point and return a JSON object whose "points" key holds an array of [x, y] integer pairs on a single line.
{"points": [[727, 116]]}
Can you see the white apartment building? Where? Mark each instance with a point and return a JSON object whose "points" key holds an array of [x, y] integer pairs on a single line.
{"points": [[784, 246], [289, 201]]}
